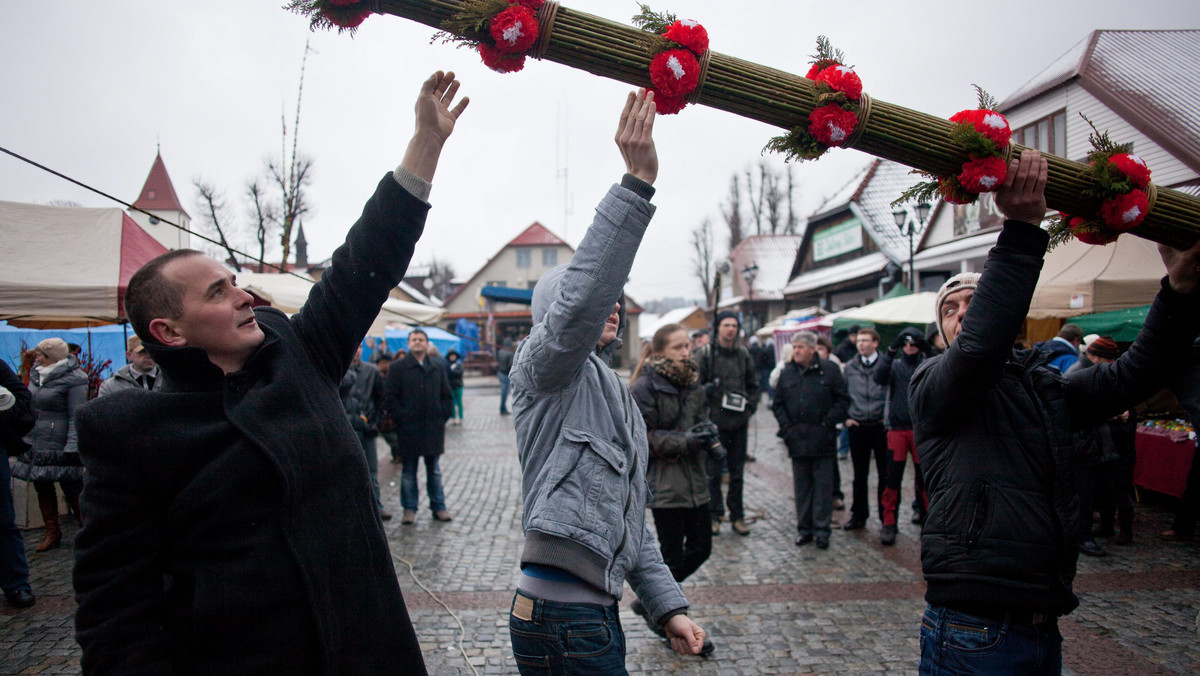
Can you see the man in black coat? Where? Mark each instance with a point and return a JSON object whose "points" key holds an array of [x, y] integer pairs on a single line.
{"points": [[230, 526], [993, 431], [810, 400], [417, 396], [16, 418]]}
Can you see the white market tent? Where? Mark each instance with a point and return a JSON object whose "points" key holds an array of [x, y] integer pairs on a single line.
{"points": [[288, 293], [1081, 279], [63, 267], [916, 308]]}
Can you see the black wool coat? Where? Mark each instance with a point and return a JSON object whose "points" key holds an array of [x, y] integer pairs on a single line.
{"points": [[417, 396], [809, 403], [230, 526]]}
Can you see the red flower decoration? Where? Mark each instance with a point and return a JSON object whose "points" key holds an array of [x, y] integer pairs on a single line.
{"points": [[346, 18], [500, 61], [675, 72], [987, 122], [831, 125], [1125, 212], [983, 174], [952, 192], [1132, 166], [668, 105], [514, 30], [533, 5], [842, 79], [690, 34], [1081, 231]]}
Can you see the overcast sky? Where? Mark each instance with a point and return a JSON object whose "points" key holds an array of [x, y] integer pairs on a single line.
{"points": [[89, 89]]}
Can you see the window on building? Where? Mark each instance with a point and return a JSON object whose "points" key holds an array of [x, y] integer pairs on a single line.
{"points": [[524, 258], [1048, 134], [549, 258], [495, 283]]}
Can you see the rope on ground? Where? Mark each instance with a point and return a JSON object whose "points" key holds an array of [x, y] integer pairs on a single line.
{"points": [[462, 631]]}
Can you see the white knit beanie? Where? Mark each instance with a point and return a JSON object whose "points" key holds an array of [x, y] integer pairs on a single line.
{"points": [[963, 280]]}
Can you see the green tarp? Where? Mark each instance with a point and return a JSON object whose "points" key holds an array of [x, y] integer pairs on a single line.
{"points": [[1122, 325]]}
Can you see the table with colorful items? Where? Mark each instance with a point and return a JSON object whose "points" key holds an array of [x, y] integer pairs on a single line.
{"points": [[1164, 455]]}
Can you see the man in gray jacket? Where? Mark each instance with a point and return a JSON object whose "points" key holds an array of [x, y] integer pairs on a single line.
{"points": [[583, 449], [140, 373], [868, 437]]}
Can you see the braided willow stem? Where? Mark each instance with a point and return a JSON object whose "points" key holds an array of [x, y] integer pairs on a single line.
{"points": [[609, 49]]}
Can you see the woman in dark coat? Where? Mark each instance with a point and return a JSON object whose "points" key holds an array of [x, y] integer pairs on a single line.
{"points": [[417, 395], [673, 405], [58, 386]]}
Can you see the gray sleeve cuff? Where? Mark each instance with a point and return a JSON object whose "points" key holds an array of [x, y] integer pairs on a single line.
{"points": [[638, 186], [415, 185]]}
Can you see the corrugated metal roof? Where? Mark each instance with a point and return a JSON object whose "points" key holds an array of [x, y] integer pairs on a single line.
{"points": [[1147, 77], [1061, 70], [774, 255]]}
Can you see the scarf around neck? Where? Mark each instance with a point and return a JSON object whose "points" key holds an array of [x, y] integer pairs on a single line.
{"points": [[680, 374]]}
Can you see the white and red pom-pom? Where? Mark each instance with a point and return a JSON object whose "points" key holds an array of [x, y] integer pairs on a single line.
{"points": [[514, 30], [690, 34], [675, 72]]}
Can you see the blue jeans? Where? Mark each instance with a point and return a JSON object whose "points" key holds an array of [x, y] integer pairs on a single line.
{"points": [[503, 392], [956, 643], [566, 638], [14, 569], [433, 484]]}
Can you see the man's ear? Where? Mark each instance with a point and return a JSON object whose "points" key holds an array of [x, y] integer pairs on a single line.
{"points": [[166, 332]]}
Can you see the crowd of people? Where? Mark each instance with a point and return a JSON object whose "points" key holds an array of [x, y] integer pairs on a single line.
{"points": [[257, 544]]}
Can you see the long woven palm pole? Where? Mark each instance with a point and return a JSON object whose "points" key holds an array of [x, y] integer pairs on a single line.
{"points": [[619, 52]]}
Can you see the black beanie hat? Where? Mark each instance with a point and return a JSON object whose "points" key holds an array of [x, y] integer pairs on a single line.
{"points": [[726, 314]]}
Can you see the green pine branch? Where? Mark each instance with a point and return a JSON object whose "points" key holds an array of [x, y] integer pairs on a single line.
{"points": [[651, 21]]}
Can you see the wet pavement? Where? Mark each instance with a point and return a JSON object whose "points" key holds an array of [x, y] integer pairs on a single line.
{"points": [[770, 607]]}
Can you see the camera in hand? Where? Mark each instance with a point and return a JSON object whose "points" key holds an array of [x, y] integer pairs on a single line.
{"points": [[710, 440]]}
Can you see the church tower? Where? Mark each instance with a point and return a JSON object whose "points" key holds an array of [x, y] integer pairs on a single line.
{"points": [[301, 249], [158, 197]]}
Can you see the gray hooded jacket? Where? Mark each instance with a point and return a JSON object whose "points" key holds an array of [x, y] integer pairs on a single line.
{"points": [[580, 435]]}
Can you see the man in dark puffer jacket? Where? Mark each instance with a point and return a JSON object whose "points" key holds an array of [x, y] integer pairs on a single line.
{"points": [[993, 431]]}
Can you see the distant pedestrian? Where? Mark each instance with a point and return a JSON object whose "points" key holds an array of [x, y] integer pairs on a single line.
{"points": [[504, 361], [417, 395], [379, 351], [1186, 385], [846, 349], [895, 372], [368, 397], [1063, 348], [732, 384], [58, 387], [16, 419], [864, 425], [810, 401], [140, 373], [454, 371]]}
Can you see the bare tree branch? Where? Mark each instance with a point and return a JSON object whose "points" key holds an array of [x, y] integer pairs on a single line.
{"points": [[210, 201], [702, 248], [731, 210]]}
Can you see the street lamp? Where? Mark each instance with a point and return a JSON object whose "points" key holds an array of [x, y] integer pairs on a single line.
{"points": [[749, 273], [908, 227]]}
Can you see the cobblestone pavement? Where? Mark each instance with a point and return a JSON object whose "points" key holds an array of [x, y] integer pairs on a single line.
{"points": [[770, 607]]}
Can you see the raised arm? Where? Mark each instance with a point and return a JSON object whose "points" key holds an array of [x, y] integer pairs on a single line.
{"points": [[992, 317], [1097, 393], [572, 303], [372, 261]]}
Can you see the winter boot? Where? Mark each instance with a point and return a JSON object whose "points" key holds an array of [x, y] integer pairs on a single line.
{"points": [[1125, 536], [49, 506], [73, 505]]}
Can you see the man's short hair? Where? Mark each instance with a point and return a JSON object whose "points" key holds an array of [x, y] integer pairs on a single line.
{"points": [[825, 341], [807, 337], [870, 332], [134, 345], [414, 331], [1070, 332], [151, 296]]}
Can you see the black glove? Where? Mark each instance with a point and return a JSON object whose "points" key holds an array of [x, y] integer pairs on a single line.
{"points": [[712, 390]]}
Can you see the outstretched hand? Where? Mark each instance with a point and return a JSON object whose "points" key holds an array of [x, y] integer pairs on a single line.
{"points": [[1022, 197], [434, 123], [687, 638], [635, 136], [1183, 267]]}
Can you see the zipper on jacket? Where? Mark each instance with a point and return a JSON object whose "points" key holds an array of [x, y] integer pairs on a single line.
{"points": [[978, 515]]}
